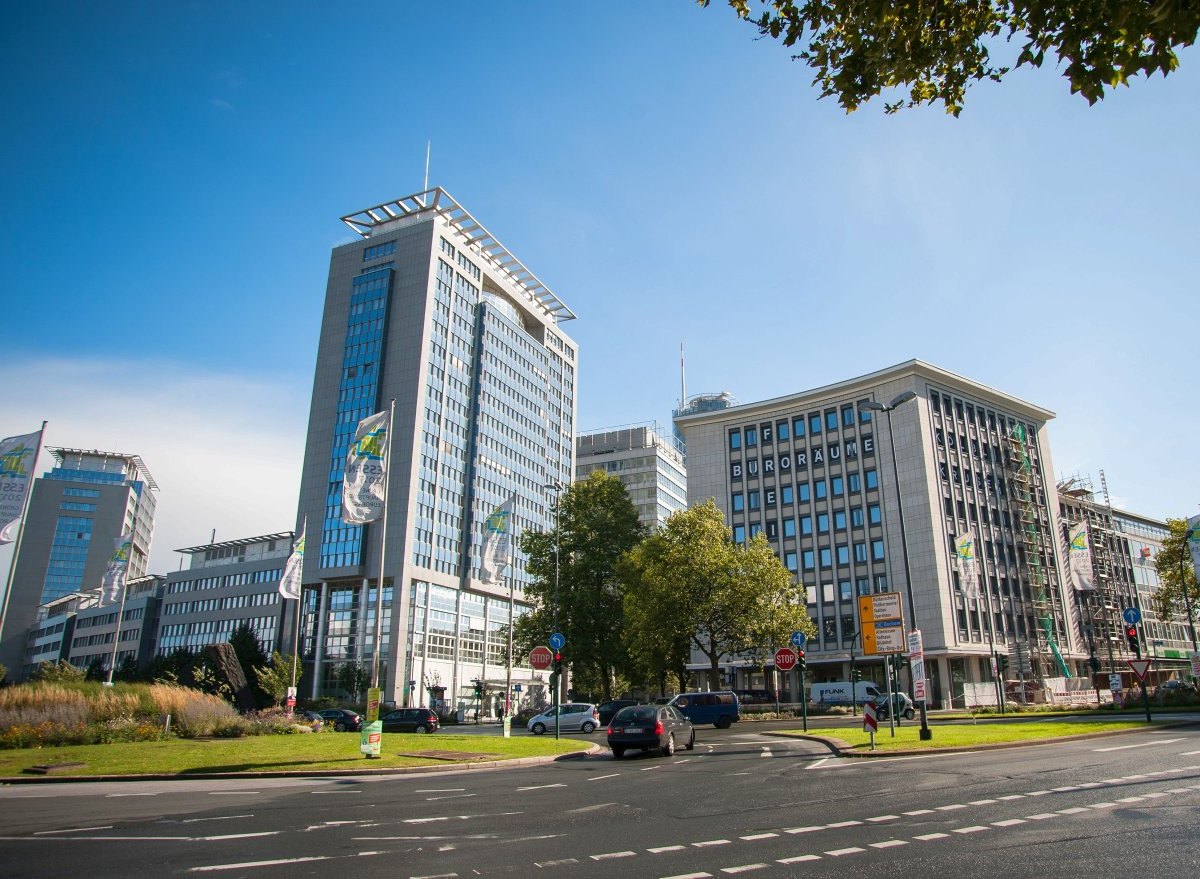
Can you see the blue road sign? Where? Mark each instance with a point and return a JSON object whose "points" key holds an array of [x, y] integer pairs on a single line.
{"points": [[798, 639], [557, 641], [1132, 615], [516, 688]]}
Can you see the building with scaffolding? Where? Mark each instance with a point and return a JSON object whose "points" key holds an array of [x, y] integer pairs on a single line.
{"points": [[814, 473], [77, 511], [696, 404], [427, 308], [1112, 554], [648, 461]]}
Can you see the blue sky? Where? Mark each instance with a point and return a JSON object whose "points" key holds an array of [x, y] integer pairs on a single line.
{"points": [[177, 171]]}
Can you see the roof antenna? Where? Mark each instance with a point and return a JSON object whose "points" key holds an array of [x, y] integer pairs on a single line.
{"points": [[682, 379], [427, 145]]}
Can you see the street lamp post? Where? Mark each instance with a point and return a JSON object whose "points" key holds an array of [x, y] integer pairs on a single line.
{"points": [[556, 486], [900, 400]]}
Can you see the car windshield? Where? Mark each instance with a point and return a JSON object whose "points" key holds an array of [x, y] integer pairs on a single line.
{"points": [[636, 714]]}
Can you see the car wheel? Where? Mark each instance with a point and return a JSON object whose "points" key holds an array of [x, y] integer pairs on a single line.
{"points": [[669, 748], [589, 727], [723, 722], [339, 727], [909, 714], [539, 728], [421, 728], [618, 753], [691, 745]]}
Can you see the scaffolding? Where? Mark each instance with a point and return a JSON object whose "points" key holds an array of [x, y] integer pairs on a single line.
{"points": [[1032, 537]]}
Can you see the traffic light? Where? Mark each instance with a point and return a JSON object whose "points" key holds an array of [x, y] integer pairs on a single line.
{"points": [[1002, 664], [800, 661], [1094, 665], [856, 675], [478, 689], [558, 661], [1132, 636]]}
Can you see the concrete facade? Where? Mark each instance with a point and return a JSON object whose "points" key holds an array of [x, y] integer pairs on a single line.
{"points": [[648, 462]]}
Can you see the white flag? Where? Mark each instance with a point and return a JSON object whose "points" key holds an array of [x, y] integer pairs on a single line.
{"points": [[366, 471], [1081, 558], [17, 454], [1193, 535], [968, 567], [497, 547], [118, 566], [293, 571]]}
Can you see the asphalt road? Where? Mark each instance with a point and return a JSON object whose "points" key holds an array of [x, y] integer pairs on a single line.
{"points": [[742, 803]]}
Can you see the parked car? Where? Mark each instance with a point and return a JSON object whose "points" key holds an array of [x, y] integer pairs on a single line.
{"points": [[413, 720], [650, 727], [342, 720], [900, 703], [608, 710], [755, 697], [573, 715], [719, 708]]}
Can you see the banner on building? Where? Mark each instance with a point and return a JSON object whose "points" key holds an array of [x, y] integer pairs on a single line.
{"points": [[366, 471], [968, 565], [1081, 557], [497, 547], [17, 456], [118, 567], [293, 571]]}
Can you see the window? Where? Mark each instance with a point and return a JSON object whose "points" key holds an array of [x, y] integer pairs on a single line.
{"points": [[765, 430], [789, 527], [787, 495], [845, 594], [843, 557], [754, 499], [781, 430], [809, 563], [823, 523], [855, 482], [831, 420], [806, 525], [735, 439], [872, 479], [873, 514], [839, 487], [826, 557], [739, 502], [864, 415], [877, 550], [739, 533], [860, 552], [814, 423], [751, 436], [789, 561], [847, 416], [862, 586], [804, 490], [755, 529], [839, 520], [822, 493], [798, 426]]}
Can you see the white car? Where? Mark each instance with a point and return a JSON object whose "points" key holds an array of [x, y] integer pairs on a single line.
{"points": [[581, 716]]}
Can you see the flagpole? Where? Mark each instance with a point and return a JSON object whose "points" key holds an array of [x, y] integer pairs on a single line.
{"points": [[296, 624], [112, 665], [383, 554], [512, 576], [12, 563]]}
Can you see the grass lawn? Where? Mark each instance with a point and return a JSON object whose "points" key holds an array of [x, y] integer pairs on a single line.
{"points": [[964, 735], [283, 753]]}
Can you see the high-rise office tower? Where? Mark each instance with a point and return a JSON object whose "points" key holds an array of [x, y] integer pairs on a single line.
{"points": [[76, 513], [647, 460], [428, 309]]}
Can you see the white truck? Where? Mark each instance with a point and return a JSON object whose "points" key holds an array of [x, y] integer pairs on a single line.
{"points": [[839, 692]]}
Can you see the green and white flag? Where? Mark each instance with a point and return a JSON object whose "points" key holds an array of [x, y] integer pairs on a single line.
{"points": [[293, 571], [366, 471], [17, 455], [968, 566], [1193, 535], [118, 567], [497, 546], [1081, 558]]}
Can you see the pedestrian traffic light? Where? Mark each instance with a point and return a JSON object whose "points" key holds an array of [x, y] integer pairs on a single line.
{"points": [[1132, 636], [800, 661]]}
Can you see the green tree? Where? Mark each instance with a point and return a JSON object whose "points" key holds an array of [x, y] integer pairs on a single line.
{"points": [[3, 673], [353, 678], [1176, 576], [97, 669], [275, 677], [61, 672], [250, 656], [597, 525], [937, 49], [691, 581]]}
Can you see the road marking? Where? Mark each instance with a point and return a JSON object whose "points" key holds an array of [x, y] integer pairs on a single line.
{"points": [[1154, 795], [238, 836], [799, 859], [599, 777], [439, 790], [1069, 787], [244, 864], [648, 768], [981, 802], [73, 830], [802, 829], [1037, 793], [156, 793], [690, 876], [766, 752], [354, 791], [885, 818], [666, 848], [1041, 816], [449, 797], [1010, 822], [437, 876], [1189, 753], [1130, 799], [1091, 784], [1112, 781], [611, 855], [232, 793], [590, 808], [838, 852], [951, 807], [976, 828], [927, 837], [229, 818], [890, 843], [710, 842], [745, 868], [540, 787], [916, 812], [1074, 810], [1011, 797], [758, 836], [1102, 805], [842, 824], [558, 863], [1137, 745], [819, 763]]}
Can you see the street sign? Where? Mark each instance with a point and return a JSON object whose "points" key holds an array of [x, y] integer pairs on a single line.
{"points": [[870, 723], [916, 662], [798, 639], [1131, 615], [1114, 683], [882, 623], [1196, 665], [557, 641], [516, 688], [1140, 667], [785, 659], [541, 658]]}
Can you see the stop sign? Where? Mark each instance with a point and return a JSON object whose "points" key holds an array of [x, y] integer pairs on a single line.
{"points": [[541, 658], [785, 659]]}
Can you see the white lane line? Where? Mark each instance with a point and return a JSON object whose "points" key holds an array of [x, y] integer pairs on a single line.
{"points": [[891, 843], [540, 786], [798, 859], [755, 836], [766, 752], [449, 797], [885, 818], [1102, 806], [437, 876], [1041, 816], [73, 830], [1130, 799], [1037, 793], [244, 864], [600, 777], [916, 812], [112, 796], [710, 842], [1010, 822], [1087, 784], [230, 818], [1011, 797], [610, 855], [839, 852], [558, 863], [1189, 753], [1112, 780], [951, 807], [981, 802], [1154, 795], [976, 828], [648, 768], [439, 790], [666, 848], [232, 793], [745, 868], [354, 791], [1060, 790], [690, 876], [1074, 810], [1137, 745], [1177, 790], [927, 837], [841, 824], [802, 829]]}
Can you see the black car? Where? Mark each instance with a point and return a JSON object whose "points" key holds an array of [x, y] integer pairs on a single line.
{"points": [[414, 720], [342, 720], [608, 709], [650, 728]]}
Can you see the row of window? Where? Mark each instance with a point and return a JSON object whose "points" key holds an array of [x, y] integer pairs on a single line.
{"points": [[820, 489], [812, 424], [377, 250]]}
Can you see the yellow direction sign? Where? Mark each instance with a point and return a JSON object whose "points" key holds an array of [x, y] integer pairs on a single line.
{"points": [[882, 623]]}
